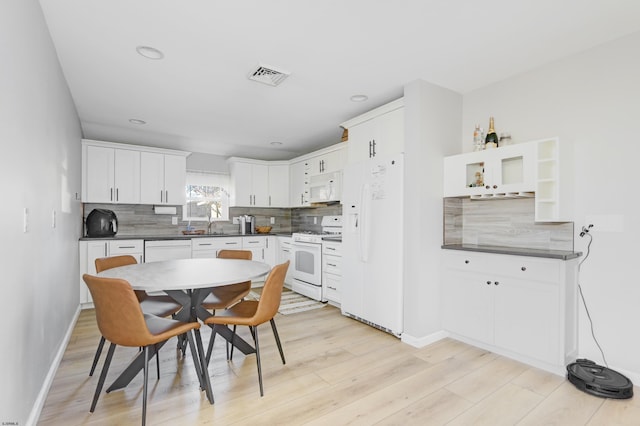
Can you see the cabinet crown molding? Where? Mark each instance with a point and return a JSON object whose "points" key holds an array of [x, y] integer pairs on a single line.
{"points": [[140, 148], [383, 109]]}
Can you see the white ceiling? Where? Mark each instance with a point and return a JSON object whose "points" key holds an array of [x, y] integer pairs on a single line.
{"points": [[198, 98]]}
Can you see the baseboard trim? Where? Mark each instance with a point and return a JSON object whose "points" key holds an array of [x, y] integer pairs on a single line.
{"points": [[48, 381], [421, 342]]}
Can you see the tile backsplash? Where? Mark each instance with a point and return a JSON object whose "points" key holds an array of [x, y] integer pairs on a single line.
{"points": [[507, 223], [138, 219]]}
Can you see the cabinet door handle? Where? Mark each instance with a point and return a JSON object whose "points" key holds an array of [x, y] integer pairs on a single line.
{"points": [[117, 195], [524, 268], [487, 187], [111, 195], [496, 283], [269, 200], [331, 248], [466, 261], [166, 196], [374, 147], [301, 198], [161, 195], [332, 264], [488, 282], [495, 186], [369, 149]]}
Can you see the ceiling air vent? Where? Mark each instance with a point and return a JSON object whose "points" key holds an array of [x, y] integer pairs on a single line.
{"points": [[268, 75]]}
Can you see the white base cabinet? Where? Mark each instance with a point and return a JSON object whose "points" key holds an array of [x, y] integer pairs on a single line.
{"points": [[518, 306], [92, 250], [332, 271]]}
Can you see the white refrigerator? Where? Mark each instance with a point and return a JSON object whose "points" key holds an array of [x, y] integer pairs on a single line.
{"points": [[372, 248]]}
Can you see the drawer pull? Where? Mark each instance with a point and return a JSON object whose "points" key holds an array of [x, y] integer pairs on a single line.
{"points": [[332, 264], [466, 262], [524, 268], [488, 282], [205, 244], [331, 288], [496, 283], [126, 247], [229, 244]]}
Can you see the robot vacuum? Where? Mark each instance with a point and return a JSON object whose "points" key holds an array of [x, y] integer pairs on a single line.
{"points": [[600, 381]]}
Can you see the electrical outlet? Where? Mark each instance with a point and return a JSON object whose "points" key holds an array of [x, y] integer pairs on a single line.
{"points": [[273, 221], [315, 220], [174, 220], [236, 220]]}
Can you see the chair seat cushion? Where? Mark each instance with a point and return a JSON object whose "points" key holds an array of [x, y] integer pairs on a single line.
{"points": [[161, 306], [239, 314], [223, 297], [162, 329]]}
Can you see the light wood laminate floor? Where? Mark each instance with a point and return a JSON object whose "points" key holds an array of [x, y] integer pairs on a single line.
{"points": [[338, 372]]}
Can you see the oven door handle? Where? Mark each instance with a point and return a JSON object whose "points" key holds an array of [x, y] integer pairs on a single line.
{"points": [[315, 246]]}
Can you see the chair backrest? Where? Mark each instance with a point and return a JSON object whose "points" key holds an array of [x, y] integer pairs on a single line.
{"points": [[118, 312], [271, 294], [104, 263], [235, 254]]}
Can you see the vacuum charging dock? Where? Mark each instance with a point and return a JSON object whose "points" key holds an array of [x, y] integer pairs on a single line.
{"points": [[600, 381]]}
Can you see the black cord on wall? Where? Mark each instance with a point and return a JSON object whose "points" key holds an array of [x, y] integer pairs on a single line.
{"points": [[585, 231]]}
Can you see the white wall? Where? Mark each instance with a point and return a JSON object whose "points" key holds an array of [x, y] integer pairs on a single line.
{"points": [[591, 100], [39, 170], [432, 125]]}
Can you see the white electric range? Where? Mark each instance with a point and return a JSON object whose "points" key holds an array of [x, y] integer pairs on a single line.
{"points": [[306, 267]]}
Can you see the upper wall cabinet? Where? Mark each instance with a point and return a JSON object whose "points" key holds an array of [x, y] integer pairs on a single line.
{"points": [[162, 178], [537, 169], [377, 133], [110, 175], [507, 171], [299, 173], [256, 183], [121, 173], [327, 162]]}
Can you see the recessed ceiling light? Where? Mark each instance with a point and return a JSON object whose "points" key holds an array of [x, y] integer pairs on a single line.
{"points": [[149, 52], [137, 121], [359, 98], [276, 143]]}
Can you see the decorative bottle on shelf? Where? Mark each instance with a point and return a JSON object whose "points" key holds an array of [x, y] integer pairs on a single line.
{"points": [[491, 140], [478, 142]]}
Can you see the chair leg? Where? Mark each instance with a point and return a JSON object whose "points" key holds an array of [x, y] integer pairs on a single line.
{"points": [[210, 347], [157, 361], [233, 336], [144, 385], [103, 376], [275, 334], [97, 356], [254, 332]]}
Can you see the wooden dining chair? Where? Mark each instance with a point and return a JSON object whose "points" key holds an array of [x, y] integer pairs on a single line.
{"points": [[252, 313], [122, 322], [158, 305]]}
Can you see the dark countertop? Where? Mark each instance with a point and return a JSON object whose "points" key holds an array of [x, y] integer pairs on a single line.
{"points": [[549, 254], [177, 236]]}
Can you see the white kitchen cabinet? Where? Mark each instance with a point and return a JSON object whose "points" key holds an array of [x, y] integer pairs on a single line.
{"points": [[256, 183], [332, 270], [278, 185], [554, 181], [285, 253], [110, 175], [377, 133], [94, 249], [131, 174], [256, 245], [163, 178], [208, 247], [328, 161], [518, 306], [493, 173], [299, 184]]}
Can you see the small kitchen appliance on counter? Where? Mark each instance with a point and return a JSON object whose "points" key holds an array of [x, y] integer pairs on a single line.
{"points": [[101, 223], [247, 224]]}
